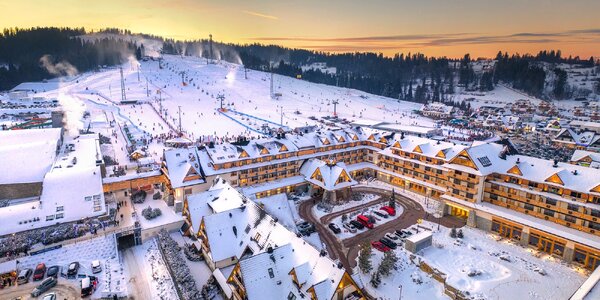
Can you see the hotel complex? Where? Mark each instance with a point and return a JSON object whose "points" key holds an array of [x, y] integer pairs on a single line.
{"points": [[550, 206]]}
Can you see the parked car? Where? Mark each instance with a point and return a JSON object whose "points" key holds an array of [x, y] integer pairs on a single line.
{"points": [[373, 218], [73, 269], [96, 267], [45, 285], [394, 238], [87, 287], [39, 272], [365, 221], [50, 296], [381, 214], [357, 224], [380, 246], [350, 227], [52, 271], [306, 228], [336, 229], [24, 276], [388, 242], [391, 211]]}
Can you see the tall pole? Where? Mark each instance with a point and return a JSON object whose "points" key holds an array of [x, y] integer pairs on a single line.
{"points": [[147, 90], [179, 119], [221, 97], [123, 97], [245, 73], [210, 42], [335, 103], [281, 116]]}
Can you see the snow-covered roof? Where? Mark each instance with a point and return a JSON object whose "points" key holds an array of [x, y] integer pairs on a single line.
{"points": [[415, 238], [327, 175], [183, 168], [220, 197], [26, 155], [270, 275], [427, 147]]}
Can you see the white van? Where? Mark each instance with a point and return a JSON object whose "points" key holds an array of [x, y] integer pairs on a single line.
{"points": [[96, 267]]}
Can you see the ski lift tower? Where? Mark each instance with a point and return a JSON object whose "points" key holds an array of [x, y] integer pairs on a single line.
{"points": [[210, 47], [335, 103], [221, 98], [123, 97]]}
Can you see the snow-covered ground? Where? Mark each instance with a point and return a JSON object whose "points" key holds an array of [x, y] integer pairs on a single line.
{"points": [[499, 269], [112, 279], [319, 211], [154, 271]]}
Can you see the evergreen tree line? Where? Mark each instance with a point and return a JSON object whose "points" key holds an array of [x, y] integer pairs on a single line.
{"points": [[22, 50], [413, 76]]}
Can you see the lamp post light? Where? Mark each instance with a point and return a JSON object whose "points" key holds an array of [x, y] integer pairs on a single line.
{"points": [[400, 292]]}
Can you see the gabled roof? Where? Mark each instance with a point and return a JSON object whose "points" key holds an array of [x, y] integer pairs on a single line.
{"points": [[183, 167], [329, 176]]}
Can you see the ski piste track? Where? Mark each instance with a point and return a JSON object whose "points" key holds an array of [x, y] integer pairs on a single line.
{"points": [[224, 113]]}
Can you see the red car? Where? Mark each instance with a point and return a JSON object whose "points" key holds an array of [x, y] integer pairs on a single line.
{"points": [[380, 246], [364, 221], [389, 210], [39, 272]]}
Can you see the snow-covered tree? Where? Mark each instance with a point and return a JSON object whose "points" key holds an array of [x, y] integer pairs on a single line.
{"points": [[364, 257], [375, 279], [387, 263]]}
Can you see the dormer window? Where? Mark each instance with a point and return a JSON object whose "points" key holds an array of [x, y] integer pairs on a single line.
{"points": [[271, 274]]}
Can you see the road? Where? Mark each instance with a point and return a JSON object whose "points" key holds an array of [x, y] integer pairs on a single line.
{"points": [[65, 289], [347, 250], [137, 285]]}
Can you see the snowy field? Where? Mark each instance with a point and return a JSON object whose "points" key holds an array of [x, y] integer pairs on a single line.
{"points": [[112, 279], [506, 268], [299, 99], [480, 264]]}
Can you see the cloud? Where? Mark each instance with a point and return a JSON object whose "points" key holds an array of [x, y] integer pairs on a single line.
{"points": [[387, 42], [256, 14]]}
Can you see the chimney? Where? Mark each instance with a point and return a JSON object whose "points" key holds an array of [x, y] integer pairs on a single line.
{"points": [[555, 165]]}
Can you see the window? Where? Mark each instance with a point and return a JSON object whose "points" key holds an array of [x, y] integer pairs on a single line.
{"points": [[575, 194], [594, 225], [573, 207], [97, 208], [554, 190], [493, 196], [470, 196], [257, 236], [569, 219], [271, 274], [458, 172], [60, 216], [485, 161], [50, 218], [595, 213], [549, 212], [472, 176], [291, 296], [528, 206], [532, 184], [60, 208], [550, 201]]}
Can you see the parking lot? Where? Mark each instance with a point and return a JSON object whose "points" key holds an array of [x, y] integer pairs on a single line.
{"points": [[346, 250], [65, 289]]}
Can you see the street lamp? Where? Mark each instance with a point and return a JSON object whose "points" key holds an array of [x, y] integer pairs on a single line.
{"points": [[400, 292]]}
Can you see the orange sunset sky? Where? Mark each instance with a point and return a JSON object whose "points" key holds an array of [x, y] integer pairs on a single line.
{"points": [[441, 28]]}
